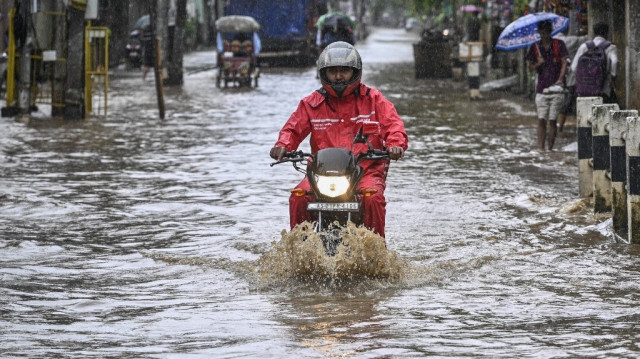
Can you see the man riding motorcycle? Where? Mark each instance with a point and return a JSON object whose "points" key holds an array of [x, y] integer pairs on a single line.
{"points": [[334, 115]]}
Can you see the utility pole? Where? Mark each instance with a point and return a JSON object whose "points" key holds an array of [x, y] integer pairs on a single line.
{"points": [[74, 85], [155, 22], [161, 30], [175, 50], [59, 68], [24, 81], [203, 20]]}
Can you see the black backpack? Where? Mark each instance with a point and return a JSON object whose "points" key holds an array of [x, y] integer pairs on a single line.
{"points": [[591, 71]]}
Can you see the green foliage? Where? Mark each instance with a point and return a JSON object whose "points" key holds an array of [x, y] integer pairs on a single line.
{"points": [[190, 28], [190, 34], [519, 6]]}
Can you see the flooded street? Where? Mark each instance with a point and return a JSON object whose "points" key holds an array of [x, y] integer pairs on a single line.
{"points": [[131, 236]]}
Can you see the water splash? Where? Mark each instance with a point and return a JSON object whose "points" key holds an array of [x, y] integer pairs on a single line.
{"points": [[300, 256], [579, 206]]}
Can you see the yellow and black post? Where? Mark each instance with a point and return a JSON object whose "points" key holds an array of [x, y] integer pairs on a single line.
{"points": [[11, 108], [96, 69]]}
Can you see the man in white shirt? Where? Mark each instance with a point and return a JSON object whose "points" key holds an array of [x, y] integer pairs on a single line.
{"points": [[601, 31]]}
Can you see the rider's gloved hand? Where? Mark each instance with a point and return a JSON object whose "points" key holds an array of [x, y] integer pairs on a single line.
{"points": [[277, 152], [395, 153]]}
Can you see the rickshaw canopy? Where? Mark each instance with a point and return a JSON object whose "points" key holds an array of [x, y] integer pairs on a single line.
{"points": [[237, 23], [336, 19], [234, 26]]}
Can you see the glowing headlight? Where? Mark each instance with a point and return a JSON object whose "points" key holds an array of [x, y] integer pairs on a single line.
{"points": [[332, 186]]}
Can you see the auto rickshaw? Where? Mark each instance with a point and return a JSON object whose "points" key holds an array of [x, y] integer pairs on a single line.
{"points": [[332, 27], [238, 46]]}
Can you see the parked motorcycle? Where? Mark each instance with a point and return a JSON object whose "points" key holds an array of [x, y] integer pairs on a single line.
{"points": [[334, 175], [135, 48]]}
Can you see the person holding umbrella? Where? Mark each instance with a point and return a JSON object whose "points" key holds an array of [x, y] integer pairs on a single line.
{"points": [[548, 58]]}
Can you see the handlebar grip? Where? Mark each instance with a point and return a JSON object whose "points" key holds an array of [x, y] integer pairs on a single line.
{"points": [[293, 156]]}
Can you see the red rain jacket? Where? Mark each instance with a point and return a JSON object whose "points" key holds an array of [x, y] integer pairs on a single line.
{"points": [[334, 122]]}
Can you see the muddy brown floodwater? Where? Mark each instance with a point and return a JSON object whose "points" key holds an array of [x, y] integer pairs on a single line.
{"points": [[130, 236]]}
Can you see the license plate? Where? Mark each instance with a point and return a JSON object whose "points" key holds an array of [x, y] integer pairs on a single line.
{"points": [[134, 54], [339, 207]]}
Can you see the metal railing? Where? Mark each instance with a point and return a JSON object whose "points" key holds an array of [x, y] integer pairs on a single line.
{"points": [[96, 69]]}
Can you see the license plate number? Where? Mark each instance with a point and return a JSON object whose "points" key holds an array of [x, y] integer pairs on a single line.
{"points": [[339, 207]]}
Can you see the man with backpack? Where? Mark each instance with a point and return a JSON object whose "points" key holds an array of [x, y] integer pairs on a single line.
{"points": [[595, 66], [572, 42], [548, 58]]}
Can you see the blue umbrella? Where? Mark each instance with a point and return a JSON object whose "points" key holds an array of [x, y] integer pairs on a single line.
{"points": [[523, 32]]}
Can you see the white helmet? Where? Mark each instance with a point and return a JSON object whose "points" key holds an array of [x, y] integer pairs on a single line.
{"points": [[343, 54]]}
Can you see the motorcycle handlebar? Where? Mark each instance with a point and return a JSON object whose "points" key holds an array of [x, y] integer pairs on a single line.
{"points": [[299, 156], [373, 155], [293, 156]]}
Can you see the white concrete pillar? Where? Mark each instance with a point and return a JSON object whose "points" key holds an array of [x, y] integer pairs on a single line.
{"points": [[633, 179], [473, 77], [618, 169], [601, 157], [585, 154]]}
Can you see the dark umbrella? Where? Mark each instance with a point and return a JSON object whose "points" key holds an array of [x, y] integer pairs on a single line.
{"points": [[335, 20]]}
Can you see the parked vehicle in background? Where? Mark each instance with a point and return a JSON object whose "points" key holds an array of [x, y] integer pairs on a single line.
{"points": [[334, 27], [287, 28], [238, 46], [413, 25], [134, 48]]}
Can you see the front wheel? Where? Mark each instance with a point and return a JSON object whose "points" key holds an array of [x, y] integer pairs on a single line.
{"points": [[330, 226], [331, 239], [135, 62]]}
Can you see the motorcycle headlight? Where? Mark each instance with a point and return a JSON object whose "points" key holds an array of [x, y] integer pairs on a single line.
{"points": [[332, 186]]}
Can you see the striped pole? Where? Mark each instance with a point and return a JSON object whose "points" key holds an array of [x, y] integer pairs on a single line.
{"points": [[633, 179], [473, 78], [601, 157], [585, 154], [617, 132]]}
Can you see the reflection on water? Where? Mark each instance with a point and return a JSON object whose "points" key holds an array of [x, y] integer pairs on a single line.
{"points": [[337, 323]]}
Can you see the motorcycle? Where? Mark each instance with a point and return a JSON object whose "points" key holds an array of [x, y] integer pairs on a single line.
{"points": [[334, 175], [135, 48]]}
